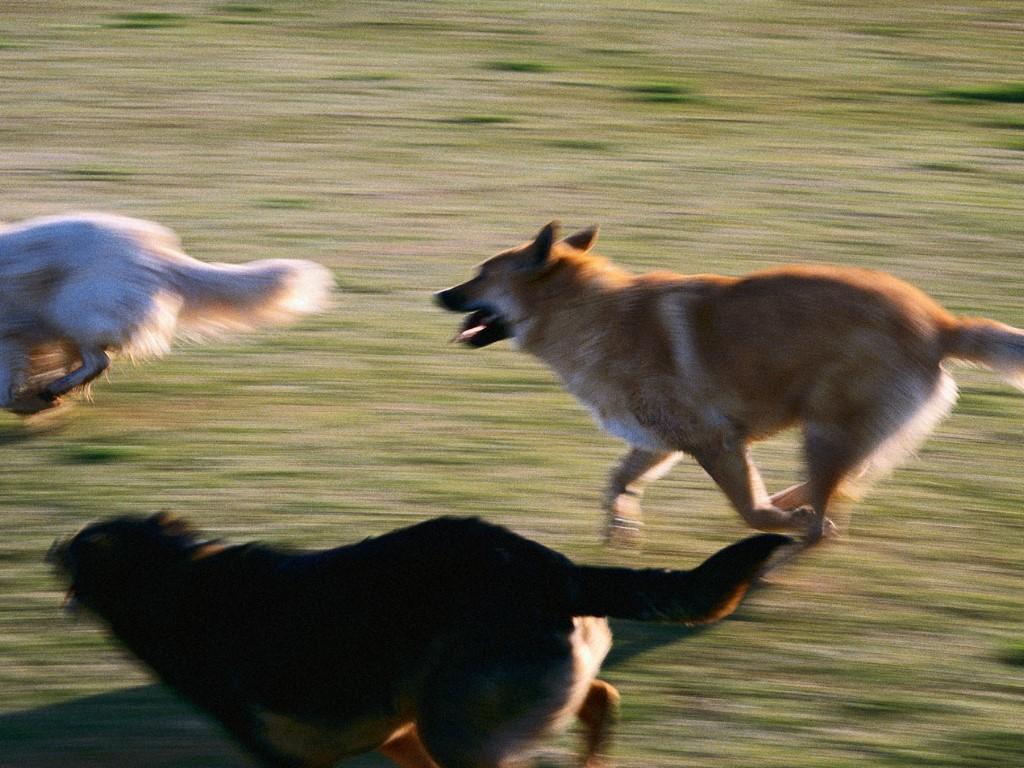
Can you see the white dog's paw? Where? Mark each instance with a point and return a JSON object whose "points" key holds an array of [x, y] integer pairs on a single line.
{"points": [[28, 404]]}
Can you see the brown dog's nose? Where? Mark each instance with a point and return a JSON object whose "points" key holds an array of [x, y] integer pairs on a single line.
{"points": [[449, 299]]}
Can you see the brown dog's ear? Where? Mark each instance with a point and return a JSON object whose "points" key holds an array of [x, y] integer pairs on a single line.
{"points": [[542, 244], [583, 240]]}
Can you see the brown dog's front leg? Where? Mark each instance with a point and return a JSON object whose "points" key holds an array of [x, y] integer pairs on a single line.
{"points": [[622, 499], [729, 465]]}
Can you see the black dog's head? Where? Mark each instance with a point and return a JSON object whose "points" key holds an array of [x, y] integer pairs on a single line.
{"points": [[108, 564]]}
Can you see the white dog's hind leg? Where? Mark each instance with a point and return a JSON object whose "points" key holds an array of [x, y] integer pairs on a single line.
{"points": [[13, 365], [94, 362], [15, 373]]}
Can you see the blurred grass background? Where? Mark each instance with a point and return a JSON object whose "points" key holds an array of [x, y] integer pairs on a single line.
{"points": [[400, 143]]}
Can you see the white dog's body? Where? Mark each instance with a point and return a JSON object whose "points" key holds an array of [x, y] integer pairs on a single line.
{"points": [[75, 288]]}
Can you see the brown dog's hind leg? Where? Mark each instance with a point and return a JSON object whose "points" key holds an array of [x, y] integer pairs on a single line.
{"points": [[832, 454], [405, 749], [730, 466], [795, 496], [598, 711], [622, 499]]}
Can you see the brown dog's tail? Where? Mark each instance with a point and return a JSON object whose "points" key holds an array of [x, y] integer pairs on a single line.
{"points": [[988, 343], [708, 593]]}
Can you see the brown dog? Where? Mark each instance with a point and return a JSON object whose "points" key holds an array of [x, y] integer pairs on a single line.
{"points": [[451, 643], [706, 364]]}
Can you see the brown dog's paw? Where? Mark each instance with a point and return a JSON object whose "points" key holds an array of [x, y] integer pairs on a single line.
{"points": [[623, 526], [815, 529], [623, 532]]}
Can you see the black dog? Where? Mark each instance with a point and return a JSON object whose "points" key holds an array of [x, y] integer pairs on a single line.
{"points": [[451, 643]]}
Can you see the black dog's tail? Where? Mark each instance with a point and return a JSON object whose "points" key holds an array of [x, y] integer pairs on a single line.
{"points": [[708, 593]]}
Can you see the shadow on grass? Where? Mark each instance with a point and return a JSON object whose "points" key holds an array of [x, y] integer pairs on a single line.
{"points": [[633, 638], [15, 430], [136, 726], [151, 726], [14, 434], [146, 725]]}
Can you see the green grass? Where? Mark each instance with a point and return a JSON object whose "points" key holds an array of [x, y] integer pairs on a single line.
{"points": [[1007, 93], [400, 143], [1013, 654], [95, 173], [146, 20], [663, 93], [483, 120], [530, 67]]}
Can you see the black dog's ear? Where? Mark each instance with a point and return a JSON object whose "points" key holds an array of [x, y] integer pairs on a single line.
{"points": [[173, 524], [542, 244], [583, 240], [98, 540]]}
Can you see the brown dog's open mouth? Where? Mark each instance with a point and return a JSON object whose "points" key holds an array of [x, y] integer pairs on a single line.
{"points": [[482, 328]]}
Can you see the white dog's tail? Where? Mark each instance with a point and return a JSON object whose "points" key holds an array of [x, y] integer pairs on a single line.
{"points": [[228, 297]]}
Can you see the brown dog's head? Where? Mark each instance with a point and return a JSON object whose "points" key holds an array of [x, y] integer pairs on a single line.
{"points": [[493, 298], [108, 565]]}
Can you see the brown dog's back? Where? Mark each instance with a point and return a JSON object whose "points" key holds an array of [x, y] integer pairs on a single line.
{"points": [[813, 344]]}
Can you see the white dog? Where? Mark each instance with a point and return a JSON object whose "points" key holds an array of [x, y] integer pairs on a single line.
{"points": [[74, 289]]}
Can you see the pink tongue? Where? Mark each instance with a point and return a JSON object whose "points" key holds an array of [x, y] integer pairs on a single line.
{"points": [[469, 333]]}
